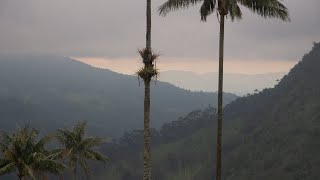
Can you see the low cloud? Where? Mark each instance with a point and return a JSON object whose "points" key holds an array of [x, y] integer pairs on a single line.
{"points": [[116, 29], [197, 65]]}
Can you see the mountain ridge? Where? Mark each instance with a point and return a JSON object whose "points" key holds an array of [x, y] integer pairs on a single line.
{"points": [[67, 90]]}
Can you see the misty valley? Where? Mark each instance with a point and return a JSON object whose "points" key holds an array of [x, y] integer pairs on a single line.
{"points": [[151, 90], [279, 126]]}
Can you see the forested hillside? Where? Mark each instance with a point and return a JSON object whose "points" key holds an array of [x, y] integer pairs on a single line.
{"points": [[273, 134], [50, 92]]}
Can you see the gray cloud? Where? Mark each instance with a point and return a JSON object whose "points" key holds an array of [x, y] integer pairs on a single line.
{"points": [[115, 29]]}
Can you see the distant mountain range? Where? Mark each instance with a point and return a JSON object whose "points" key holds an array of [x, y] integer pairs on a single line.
{"points": [[51, 92], [240, 84]]}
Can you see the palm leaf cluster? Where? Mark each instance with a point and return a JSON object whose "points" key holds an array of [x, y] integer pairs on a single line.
{"points": [[78, 148], [149, 70], [27, 156], [264, 8]]}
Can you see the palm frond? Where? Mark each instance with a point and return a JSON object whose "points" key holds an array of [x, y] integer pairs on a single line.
{"points": [[29, 172], [56, 154], [174, 5], [40, 145], [94, 155], [3, 147], [8, 168], [3, 162], [66, 137], [49, 165], [207, 8], [26, 134], [234, 10], [267, 8], [72, 152], [91, 142], [72, 162], [27, 154], [77, 147], [79, 129], [147, 55], [5, 138], [84, 166]]}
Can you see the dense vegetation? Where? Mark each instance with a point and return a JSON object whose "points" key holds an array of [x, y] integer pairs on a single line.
{"points": [[23, 153], [272, 134], [50, 92]]}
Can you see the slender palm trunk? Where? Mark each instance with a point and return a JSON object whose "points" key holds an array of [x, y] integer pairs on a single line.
{"points": [[220, 96], [147, 149], [148, 33]]}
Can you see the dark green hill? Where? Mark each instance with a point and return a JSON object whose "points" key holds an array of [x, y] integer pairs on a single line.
{"points": [[280, 127], [50, 92], [273, 134]]}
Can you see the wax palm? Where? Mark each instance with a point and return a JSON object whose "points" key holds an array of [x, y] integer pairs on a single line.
{"points": [[148, 72], [78, 148], [25, 156], [227, 8]]}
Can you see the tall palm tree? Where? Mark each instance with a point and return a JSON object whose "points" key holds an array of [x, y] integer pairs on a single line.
{"points": [[78, 148], [26, 156], [225, 8], [147, 73]]}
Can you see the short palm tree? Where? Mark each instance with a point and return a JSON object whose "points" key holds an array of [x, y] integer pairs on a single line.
{"points": [[78, 148], [24, 155], [147, 73], [227, 8]]}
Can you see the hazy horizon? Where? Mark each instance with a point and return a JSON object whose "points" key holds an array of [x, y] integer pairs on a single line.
{"points": [[92, 32], [199, 66], [236, 82]]}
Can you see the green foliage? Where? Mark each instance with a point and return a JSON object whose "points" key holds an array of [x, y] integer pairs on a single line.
{"points": [[27, 155], [264, 8], [78, 148], [148, 55], [149, 70], [148, 73], [23, 154]]}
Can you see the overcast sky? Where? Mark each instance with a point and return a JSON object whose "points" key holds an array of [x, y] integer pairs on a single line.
{"points": [[107, 31]]}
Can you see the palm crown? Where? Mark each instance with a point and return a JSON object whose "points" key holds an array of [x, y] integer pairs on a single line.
{"points": [[26, 156], [78, 148], [264, 8]]}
